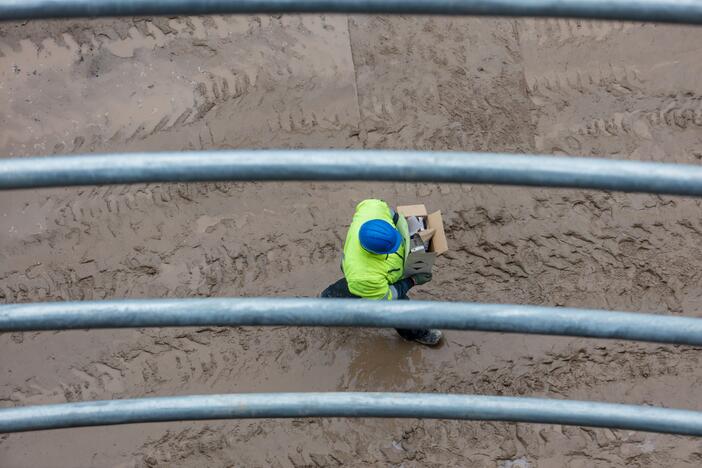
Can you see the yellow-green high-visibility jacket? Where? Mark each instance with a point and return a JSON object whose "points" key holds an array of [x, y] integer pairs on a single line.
{"points": [[370, 275]]}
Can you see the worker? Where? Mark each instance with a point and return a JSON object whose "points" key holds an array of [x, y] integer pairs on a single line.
{"points": [[373, 262]]}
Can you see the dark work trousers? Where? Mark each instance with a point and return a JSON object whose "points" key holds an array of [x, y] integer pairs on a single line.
{"points": [[340, 290]]}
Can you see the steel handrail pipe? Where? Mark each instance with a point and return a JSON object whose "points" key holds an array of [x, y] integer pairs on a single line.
{"points": [[315, 312], [671, 11], [353, 165], [352, 405]]}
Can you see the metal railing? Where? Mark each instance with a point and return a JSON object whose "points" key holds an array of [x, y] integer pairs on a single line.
{"points": [[670, 11], [236, 312], [357, 165], [352, 405]]}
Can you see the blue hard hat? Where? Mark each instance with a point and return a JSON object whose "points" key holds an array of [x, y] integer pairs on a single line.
{"points": [[379, 237]]}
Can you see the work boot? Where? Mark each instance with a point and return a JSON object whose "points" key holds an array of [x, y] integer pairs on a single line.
{"points": [[430, 337], [425, 337]]}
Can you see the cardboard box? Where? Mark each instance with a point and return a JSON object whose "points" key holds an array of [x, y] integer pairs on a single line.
{"points": [[422, 262]]}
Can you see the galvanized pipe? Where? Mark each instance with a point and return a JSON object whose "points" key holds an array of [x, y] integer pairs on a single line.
{"points": [[367, 165], [353, 405], [673, 11], [504, 318]]}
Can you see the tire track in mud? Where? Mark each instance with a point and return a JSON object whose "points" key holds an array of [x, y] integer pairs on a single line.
{"points": [[214, 89], [169, 361], [170, 259], [617, 242], [617, 80], [671, 114], [602, 95], [648, 130], [558, 32], [458, 81], [216, 441], [87, 47], [574, 369], [185, 270], [205, 95], [112, 54], [93, 205]]}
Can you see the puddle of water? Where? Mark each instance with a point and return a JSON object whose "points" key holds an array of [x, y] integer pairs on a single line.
{"points": [[384, 362]]}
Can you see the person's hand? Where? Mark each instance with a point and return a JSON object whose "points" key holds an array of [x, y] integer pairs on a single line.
{"points": [[421, 278]]}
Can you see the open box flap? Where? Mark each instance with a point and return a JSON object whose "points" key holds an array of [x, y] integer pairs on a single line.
{"points": [[412, 210], [439, 244]]}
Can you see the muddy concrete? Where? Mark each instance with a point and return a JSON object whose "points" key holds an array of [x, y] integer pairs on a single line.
{"points": [[628, 91]]}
